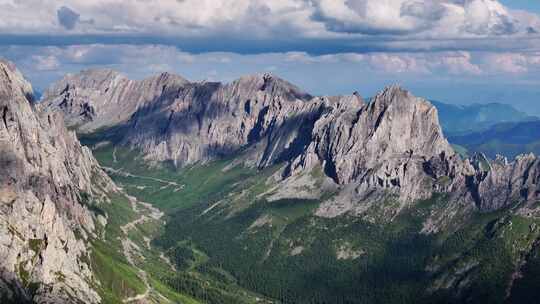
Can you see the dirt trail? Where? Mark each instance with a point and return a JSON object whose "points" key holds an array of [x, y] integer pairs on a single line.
{"points": [[132, 251], [146, 212], [146, 294], [127, 174]]}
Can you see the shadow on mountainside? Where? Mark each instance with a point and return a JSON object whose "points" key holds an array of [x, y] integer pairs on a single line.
{"points": [[12, 290]]}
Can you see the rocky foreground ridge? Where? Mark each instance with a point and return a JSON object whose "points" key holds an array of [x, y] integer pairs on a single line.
{"points": [[45, 177], [392, 145]]}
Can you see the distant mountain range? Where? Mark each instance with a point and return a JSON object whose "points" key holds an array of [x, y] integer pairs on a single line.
{"points": [[509, 139], [463, 119], [492, 129]]}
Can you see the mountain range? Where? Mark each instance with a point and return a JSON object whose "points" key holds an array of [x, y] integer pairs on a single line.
{"points": [[492, 129], [256, 191], [463, 119], [508, 139]]}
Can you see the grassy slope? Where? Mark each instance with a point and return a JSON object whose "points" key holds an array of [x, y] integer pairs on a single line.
{"points": [[199, 184], [118, 279], [391, 269]]}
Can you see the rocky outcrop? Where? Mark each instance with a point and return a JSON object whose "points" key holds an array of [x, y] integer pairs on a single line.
{"points": [[352, 138], [391, 146], [500, 183], [45, 177], [95, 99]]}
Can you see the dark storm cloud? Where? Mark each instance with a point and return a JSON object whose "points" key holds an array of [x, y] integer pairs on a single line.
{"points": [[429, 11], [67, 17]]}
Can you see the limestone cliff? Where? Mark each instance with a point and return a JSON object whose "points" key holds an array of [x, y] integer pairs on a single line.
{"points": [[500, 183], [45, 177]]}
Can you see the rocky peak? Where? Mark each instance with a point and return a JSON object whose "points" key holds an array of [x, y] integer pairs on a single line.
{"points": [[409, 123], [99, 98], [204, 121], [481, 162], [353, 101], [166, 79], [395, 90], [12, 80], [271, 85], [284, 88], [500, 183], [390, 94], [95, 78], [100, 80], [382, 144]]}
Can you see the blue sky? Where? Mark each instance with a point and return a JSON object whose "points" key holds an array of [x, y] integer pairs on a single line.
{"points": [[457, 51], [529, 5]]}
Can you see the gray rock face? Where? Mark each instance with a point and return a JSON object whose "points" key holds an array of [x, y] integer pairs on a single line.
{"points": [[498, 183], [396, 128], [96, 99], [44, 175], [172, 119], [391, 146]]}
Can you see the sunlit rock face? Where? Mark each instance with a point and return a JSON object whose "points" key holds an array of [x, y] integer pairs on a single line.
{"points": [[44, 227]]}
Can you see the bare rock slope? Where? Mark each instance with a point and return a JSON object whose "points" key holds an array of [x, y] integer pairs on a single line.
{"points": [[97, 99], [45, 174]]}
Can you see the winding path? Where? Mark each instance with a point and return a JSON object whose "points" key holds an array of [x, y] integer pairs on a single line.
{"points": [[127, 174], [131, 250]]}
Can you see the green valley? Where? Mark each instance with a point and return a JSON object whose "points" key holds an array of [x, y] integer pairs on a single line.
{"points": [[228, 243]]}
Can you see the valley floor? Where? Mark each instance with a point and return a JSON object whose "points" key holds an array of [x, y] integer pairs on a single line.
{"points": [[147, 269]]}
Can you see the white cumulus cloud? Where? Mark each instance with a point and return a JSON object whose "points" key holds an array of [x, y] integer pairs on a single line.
{"points": [[320, 26]]}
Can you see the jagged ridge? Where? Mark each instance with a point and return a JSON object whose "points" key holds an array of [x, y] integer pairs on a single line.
{"points": [[392, 145]]}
